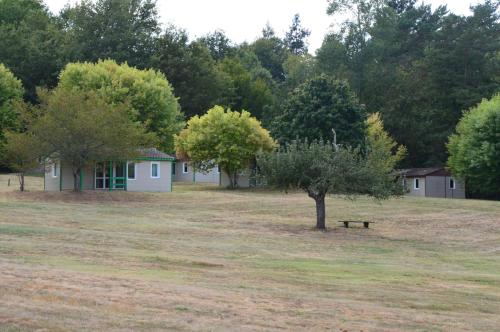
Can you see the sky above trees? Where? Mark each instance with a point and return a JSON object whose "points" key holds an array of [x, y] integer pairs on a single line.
{"points": [[244, 20]]}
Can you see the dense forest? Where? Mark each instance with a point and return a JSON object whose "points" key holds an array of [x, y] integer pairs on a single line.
{"points": [[418, 67]]}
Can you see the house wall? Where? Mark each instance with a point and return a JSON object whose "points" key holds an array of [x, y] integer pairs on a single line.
{"points": [[63, 180], [51, 183], [54, 183], [411, 187], [439, 186], [143, 181], [458, 192], [212, 176], [180, 176], [436, 186]]}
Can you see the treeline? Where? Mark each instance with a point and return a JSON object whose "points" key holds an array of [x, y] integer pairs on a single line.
{"points": [[419, 68]]}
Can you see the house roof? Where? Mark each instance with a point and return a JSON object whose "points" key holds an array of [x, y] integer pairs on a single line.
{"points": [[423, 172], [154, 154]]}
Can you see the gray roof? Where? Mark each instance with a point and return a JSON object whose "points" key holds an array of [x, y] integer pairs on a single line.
{"points": [[422, 172], [153, 153]]}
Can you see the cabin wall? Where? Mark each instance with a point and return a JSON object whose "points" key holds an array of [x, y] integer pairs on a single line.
{"points": [[411, 187], [211, 176], [51, 183], [145, 183], [180, 176]]}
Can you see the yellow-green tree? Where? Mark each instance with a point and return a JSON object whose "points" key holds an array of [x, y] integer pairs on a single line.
{"points": [[475, 149], [223, 137], [382, 148], [147, 94], [11, 90]]}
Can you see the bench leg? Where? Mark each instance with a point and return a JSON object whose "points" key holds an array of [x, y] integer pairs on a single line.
{"points": [[346, 224], [366, 224]]}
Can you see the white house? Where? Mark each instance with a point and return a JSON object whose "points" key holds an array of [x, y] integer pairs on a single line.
{"points": [[150, 172]]}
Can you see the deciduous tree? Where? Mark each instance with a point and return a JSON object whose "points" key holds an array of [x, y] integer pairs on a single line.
{"points": [[197, 80], [80, 128], [271, 52], [147, 93], [225, 138], [475, 148], [11, 90], [320, 168], [31, 43], [122, 30], [317, 106], [381, 147], [21, 154], [218, 43]]}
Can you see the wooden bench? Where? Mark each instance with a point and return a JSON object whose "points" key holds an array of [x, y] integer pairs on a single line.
{"points": [[366, 224]]}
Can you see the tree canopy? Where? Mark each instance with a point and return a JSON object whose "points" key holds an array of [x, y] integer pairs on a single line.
{"points": [[192, 71], [147, 94], [320, 168], [419, 67], [80, 128], [475, 148], [416, 65], [296, 37], [11, 90], [31, 43], [316, 107], [21, 153], [124, 30], [225, 138]]}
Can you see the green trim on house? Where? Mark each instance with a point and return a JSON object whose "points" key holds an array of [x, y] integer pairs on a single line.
{"points": [[44, 174], [110, 176], [81, 179], [60, 175], [125, 180], [172, 168], [154, 159]]}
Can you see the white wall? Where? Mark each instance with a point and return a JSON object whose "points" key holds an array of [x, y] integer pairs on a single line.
{"points": [[411, 186], [145, 183]]}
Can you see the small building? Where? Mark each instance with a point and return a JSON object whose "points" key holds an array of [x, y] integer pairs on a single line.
{"points": [[150, 172], [183, 171], [432, 182]]}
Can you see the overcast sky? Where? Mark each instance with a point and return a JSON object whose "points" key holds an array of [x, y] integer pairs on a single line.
{"points": [[243, 20]]}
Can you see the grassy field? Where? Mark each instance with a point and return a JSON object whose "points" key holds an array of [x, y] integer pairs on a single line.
{"points": [[208, 259]]}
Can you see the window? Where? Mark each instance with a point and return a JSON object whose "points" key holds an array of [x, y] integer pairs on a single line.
{"points": [[452, 184], [155, 170], [173, 168], [184, 168], [416, 183], [131, 171], [55, 171]]}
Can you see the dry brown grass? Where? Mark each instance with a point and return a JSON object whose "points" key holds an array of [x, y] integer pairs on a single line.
{"points": [[207, 259]]}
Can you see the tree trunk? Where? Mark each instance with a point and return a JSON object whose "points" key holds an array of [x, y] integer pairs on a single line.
{"points": [[233, 180], [76, 180], [320, 212], [21, 181]]}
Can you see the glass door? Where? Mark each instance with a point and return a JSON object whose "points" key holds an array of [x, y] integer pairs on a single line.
{"points": [[101, 176], [119, 178]]}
